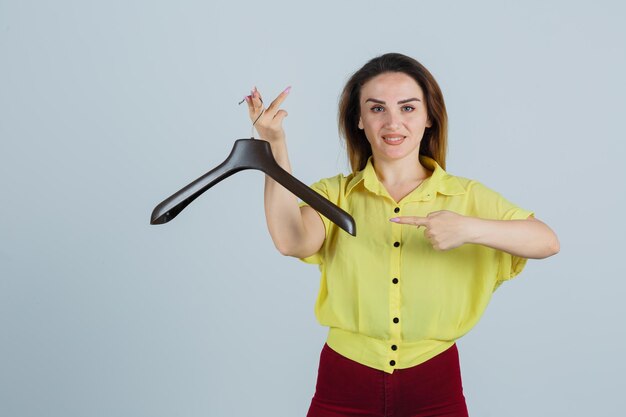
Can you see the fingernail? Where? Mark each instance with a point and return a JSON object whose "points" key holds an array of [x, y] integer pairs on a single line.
{"points": [[395, 220], [287, 90]]}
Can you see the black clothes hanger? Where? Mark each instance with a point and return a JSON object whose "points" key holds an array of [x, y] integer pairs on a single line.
{"points": [[251, 154]]}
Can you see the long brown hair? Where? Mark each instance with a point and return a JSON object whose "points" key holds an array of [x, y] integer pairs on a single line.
{"points": [[435, 141]]}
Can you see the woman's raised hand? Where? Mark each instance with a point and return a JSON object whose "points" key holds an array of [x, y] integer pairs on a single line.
{"points": [[268, 121]]}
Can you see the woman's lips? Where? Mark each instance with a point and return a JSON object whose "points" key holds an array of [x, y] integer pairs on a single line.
{"points": [[393, 140]]}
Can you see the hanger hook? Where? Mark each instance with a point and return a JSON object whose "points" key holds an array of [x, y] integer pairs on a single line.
{"points": [[258, 117]]}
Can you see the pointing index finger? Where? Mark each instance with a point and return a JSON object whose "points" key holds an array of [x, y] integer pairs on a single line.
{"points": [[411, 220], [273, 107]]}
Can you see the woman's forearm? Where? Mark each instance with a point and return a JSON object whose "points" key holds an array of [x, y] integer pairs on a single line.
{"points": [[529, 238], [284, 218]]}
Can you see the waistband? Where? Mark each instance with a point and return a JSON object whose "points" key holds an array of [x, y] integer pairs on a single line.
{"points": [[385, 355]]}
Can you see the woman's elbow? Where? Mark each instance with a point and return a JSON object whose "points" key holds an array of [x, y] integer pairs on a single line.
{"points": [[285, 250], [549, 245], [295, 251], [555, 246], [550, 248]]}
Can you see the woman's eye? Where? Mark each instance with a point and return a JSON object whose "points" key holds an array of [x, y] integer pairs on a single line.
{"points": [[408, 108], [377, 109]]}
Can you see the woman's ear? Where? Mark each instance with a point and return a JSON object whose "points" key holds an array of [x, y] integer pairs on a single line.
{"points": [[429, 123], [360, 124]]}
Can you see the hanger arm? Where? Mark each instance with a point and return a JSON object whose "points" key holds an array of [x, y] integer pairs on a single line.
{"points": [[174, 204]]}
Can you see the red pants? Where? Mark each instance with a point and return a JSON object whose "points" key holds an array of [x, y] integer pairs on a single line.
{"points": [[346, 388]]}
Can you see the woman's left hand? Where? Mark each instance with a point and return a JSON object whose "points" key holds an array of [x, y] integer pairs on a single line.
{"points": [[444, 229]]}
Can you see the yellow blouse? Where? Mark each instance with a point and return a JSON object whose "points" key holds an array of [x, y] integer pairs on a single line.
{"points": [[390, 300]]}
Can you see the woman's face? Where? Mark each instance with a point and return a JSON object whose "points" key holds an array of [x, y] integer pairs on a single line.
{"points": [[393, 116]]}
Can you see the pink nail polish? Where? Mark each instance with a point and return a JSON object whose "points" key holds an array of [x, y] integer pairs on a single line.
{"points": [[395, 220], [287, 90]]}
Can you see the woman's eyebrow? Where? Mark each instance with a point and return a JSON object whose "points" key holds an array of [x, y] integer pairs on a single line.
{"points": [[374, 100]]}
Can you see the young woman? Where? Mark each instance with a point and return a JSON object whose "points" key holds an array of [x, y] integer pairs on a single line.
{"points": [[430, 247]]}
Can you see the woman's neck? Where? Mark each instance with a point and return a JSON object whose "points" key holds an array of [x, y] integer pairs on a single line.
{"points": [[400, 177], [399, 172]]}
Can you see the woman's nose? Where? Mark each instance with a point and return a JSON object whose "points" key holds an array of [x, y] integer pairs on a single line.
{"points": [[393, 120]]}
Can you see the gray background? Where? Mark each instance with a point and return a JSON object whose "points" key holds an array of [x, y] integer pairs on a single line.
{"points": [[108, 107]]}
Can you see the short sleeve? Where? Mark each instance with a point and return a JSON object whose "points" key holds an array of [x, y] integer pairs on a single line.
{"points": [[493, 205], [510, 266], [323, 188]]}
